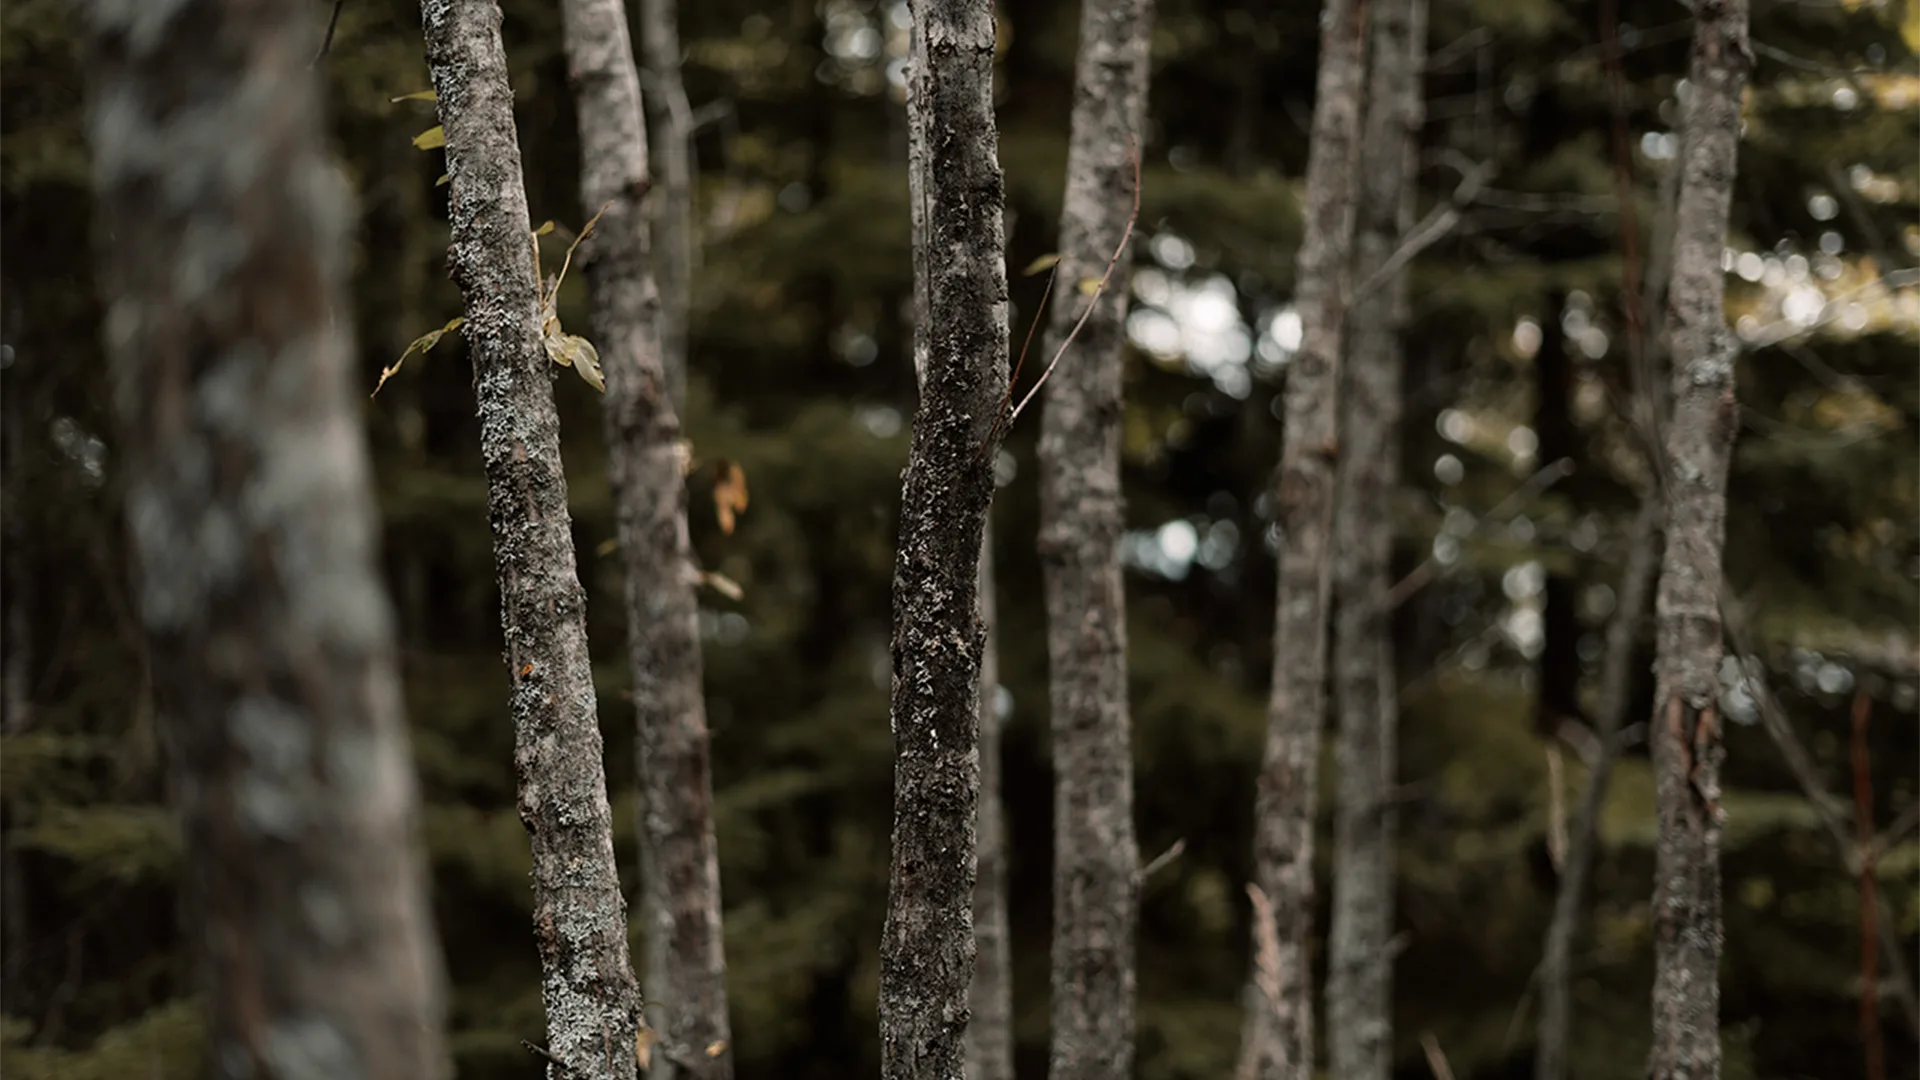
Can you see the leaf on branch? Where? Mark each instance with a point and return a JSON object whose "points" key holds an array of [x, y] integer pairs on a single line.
{"points": [[576, 352], [443, 179], [723, 585], [643, 1042], [1090, 286], [729, 493], [1042, 264], [545, 228], [432, 138], [716, 1048], [420, 344], [417, 95]]}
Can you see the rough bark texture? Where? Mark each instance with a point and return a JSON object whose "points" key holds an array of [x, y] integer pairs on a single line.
{"points": [[1277, 1041], [989, 1053], [927, 947], [1096, 860], [672, 118], [1359, 950], [579, 915], [1699, 442], [1616, 688], [249, 506], [680, 871]]}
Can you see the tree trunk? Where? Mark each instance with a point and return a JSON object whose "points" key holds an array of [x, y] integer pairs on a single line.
{"points": [[579, 915], [989, 1052], [960, 343], [254, 537], [1359, 948], [680, 873], [1277, 1043], [1699, 443], [1096, 861], [672, 119]]}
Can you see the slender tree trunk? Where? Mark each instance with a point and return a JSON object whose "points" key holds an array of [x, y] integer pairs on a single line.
{"points": [[989, 1052], [1359, 948], [579, 915], [254, 537], [680, 876], [1277, 1043], [1699, 443], [672, 119], [1096, 861], [960, 343], [1616, 687]]}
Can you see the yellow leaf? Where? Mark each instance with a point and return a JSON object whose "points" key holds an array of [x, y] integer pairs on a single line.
{"points": [[432, 138], [1088, 286], [729, 493], [443, 179], [643, 1046], [607, 547], [1044, 262], [716, 1048], [417, 95], [723, 585], [545, 228], [420, 345], [1910, 26]]}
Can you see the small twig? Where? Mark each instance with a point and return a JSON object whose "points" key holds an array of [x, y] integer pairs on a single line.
{"points": [[1164, 859], [326, 42], [564, 1068], [1432, 229], [1548, 475], [1133, 154], [1436, 1057]]}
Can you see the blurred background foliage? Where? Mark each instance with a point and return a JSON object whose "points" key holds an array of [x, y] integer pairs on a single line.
{"points": [[800, 374]]}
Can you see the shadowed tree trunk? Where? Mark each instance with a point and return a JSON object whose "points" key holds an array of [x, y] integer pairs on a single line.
{"points": [[960, 347], [1616, 687], [1704, 419], [1277, 1041], [223, 256], [1096, 861], [579, 915], [1359, 949], [672, 118], [989, 1052], [680, 872]]}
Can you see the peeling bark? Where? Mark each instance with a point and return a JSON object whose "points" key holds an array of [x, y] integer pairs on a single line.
{"points": [[579, 915], [1616, 687], [1277, 1042], [680, 872], [1096, 859], [1359, 946], [1704, 420], [222, 229], [960, 346], [673, 226]]}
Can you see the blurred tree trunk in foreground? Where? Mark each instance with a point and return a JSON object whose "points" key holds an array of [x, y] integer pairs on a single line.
{"points": [[960, 348], [579, 914], [1277, 1040], [222, 247], [680, 871]]}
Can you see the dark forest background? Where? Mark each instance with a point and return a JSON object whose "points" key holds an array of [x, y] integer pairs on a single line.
{"points": [[800, 373]]}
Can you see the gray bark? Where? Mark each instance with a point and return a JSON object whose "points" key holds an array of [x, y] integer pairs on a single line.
{"points": [[1359, 949], [1277, 1042], [1096, 860], [1705, 418], [680, 872], [960, 343], [579, 915], [1616, 684], [989, 1051], [222, 229], [673, 247]]}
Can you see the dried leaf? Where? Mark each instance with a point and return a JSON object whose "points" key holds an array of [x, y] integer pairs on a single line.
{"points": [[643, 1042], [432, 138], [1042, 264], [420, 344], [443, 179], [1088, 286], [723, 585], [716, 1048], [545, 228], [417, 95], [729, 493], [683, 452]]}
